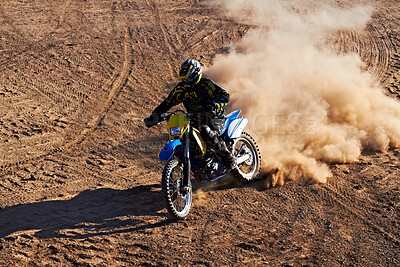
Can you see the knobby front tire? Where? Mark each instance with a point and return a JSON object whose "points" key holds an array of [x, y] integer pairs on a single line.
{"points": [[178, 205]]}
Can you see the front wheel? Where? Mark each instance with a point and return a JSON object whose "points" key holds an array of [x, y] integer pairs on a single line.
{"points": [[178, 203], [248, 155]]}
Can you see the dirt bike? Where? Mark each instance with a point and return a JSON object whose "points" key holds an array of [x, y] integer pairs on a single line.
{"points": [[187, 154]]}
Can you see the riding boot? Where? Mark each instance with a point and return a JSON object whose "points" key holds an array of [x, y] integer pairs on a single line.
{"points": [[229, 158], [220, 147]]}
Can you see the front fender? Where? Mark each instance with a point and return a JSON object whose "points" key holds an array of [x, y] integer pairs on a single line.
{"points": [[168, 150]]}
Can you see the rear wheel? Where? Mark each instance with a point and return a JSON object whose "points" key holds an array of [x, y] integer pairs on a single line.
{"points": [[178, 203], [245, 147]]}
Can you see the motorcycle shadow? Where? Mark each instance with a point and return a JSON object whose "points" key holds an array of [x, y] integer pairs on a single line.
{"points": [[230, 182], [102, 211]]}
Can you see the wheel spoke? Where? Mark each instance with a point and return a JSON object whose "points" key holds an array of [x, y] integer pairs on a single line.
{"points": [[174, 195], [178, 205], [239, 150], [243, 145]]}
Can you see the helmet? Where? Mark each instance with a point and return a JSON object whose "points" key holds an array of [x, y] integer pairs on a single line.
{"points": [[190, 72]]}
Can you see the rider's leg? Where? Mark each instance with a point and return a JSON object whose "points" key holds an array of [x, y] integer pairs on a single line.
{"points": [[220, 146]]}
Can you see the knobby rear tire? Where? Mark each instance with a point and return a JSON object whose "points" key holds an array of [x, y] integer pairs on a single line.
{"points": [[238, 172], [177, 204]]}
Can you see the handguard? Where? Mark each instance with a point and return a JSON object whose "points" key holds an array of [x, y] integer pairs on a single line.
{"points": [[154, 119]]}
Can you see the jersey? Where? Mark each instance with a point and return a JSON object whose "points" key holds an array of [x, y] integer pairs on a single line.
{"points": [[204, 93]]}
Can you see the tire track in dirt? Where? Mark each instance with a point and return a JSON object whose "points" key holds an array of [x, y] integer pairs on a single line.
{"points": [[377, 55], [381, 50], [357, 211], [377, 45], [62, 17], [162, 29], [120, 227], [116, 83], [29, 48], [390, 26]]}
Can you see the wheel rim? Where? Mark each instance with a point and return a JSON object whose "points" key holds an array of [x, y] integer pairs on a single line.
{"points": [[180, 203], [242, 147]]}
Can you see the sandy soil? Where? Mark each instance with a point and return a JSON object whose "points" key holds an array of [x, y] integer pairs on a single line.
{"points": [[79, 173]]}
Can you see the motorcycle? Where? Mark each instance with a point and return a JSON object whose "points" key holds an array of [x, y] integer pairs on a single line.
{"points": [[187, 154]]}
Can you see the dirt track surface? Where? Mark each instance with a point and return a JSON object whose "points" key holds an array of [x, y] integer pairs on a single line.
{"points": [[80, 178]]}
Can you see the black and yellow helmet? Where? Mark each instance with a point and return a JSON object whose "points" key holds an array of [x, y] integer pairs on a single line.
{"points": [[190, 72]]}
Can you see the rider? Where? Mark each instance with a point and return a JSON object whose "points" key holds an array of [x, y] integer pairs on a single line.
{"points": [[199, 94]]}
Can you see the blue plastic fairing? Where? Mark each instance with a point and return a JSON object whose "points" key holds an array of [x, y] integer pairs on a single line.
{"points": [[168, 150], [229, 118]]}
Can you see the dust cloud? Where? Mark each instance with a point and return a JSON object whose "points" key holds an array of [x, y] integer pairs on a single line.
{"points": [[307, 105]]}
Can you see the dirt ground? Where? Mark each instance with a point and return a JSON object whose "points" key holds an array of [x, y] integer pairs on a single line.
{"points": [[79, 173]]}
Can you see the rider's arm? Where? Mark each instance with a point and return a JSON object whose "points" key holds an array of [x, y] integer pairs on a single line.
{"points": [[174, 98], [220, 96]]}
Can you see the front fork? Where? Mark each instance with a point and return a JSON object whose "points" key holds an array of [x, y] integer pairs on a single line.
{"points": [[186, 160]]}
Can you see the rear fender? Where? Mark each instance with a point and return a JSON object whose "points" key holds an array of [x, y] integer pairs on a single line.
{"points": [[168, 150], [229, 118], [236, 127]]}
